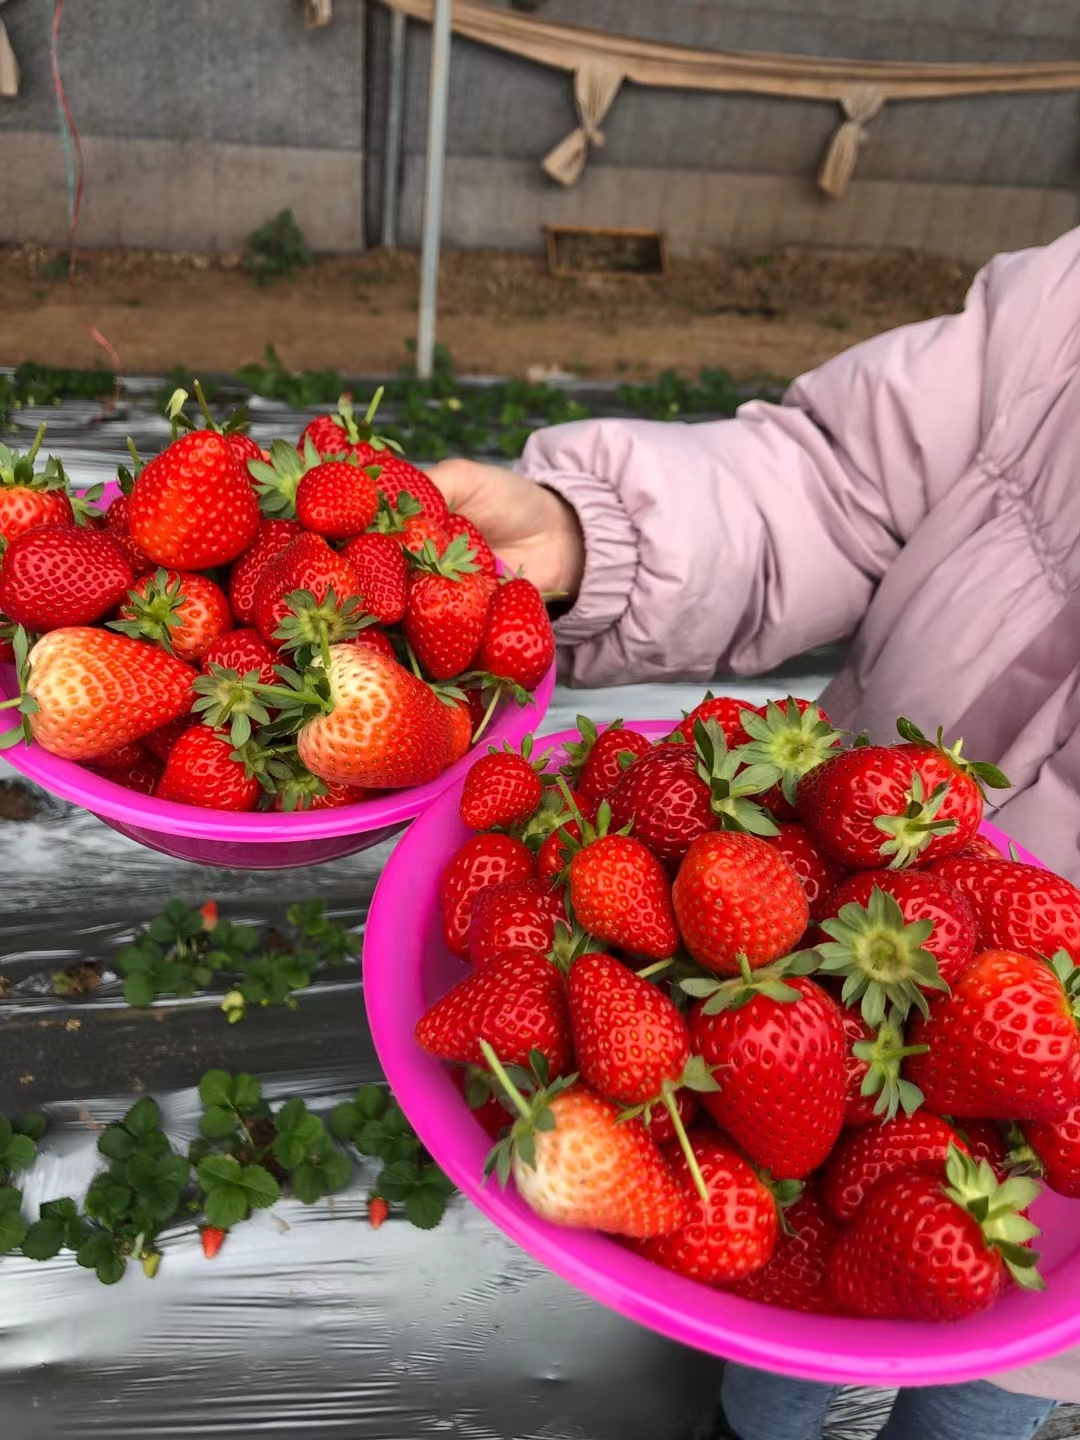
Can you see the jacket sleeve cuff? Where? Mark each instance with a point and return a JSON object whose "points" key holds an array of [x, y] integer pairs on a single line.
{"points": [[611, 555]]}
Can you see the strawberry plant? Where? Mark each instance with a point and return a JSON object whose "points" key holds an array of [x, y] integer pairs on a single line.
{"points": [[375, 1125], [18, 1148]]}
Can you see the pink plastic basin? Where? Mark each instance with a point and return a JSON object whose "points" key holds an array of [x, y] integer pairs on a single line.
{"points": [[406, 967], [262, 841]]}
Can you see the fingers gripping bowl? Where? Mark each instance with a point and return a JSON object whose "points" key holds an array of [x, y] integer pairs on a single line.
{"points": [[407, 967]]}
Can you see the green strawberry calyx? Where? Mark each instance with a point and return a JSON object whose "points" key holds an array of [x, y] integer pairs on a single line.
{"points": [[17, 469], [313, 625], [155, 611], [882, 957], [530, 1095], [277, 480], [731, 782], [884, 1056], [790, 741], [228, 699], [910, 833], [237, 422], [23, 703], [578, 751], [981, 771], [296, 786], [1063, 966], [457, 560], [768, 980], [784, 1194], [363, 431], [1020, 1157], [997, 1206]]}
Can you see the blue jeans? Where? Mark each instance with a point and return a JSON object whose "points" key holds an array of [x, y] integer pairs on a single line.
{"points": [[760, 1406]]}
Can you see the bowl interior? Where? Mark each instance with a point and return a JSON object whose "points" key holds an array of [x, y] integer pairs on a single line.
{"points": [[406, 967]]}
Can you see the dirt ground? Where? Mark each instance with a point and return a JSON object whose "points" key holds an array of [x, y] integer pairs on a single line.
{"points": [[766, 314]]}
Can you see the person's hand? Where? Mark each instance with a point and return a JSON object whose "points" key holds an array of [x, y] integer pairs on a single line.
{"points": [[530, 528]]}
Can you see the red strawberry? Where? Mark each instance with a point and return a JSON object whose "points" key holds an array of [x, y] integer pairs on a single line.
{"points": [[446, 610], [518, 644], [666, 801], [875, 1087], [482, 861], [736, 895], [242, 651], [456, 525], [920, 896], [1018, 907], [306, 563], [461, 722], [141, 775], [336, 499], [272, 538], [502, 789], [865, 1156], [727, 713], [96, 690], [194, 507], [621, 894], [416, 531], [307, 792], [1003, 1146], [596, 763], [940, 765], [794, 1278], [554, 854], [779, 1048], [201, 770], [186, 614], [30, 497], [161, 741], [513, 915], [585, 1166], [118, 524], [397, 474], [817, 874], [658, 1121], [380, 642], [57, 575], [629, 1038], [730, 1234], [7, 641], [516, 1002], [378, 1211], [381, 728], [244, 447], [378, 563], [980, 848], [212, 1237], [921, 1250], [1056, 1144], [1004, 1044], [122, 758], [328, 433]]}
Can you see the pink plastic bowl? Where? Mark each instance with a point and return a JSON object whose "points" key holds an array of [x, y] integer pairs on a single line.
{"points": [[263, 841], [406, 967]]}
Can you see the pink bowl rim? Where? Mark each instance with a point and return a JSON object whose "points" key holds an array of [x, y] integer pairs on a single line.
{"points": [[825, 1348], [109, 801]]}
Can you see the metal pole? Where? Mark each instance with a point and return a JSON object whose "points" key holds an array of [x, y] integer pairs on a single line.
{"points": [[433, 188], [395, 105]]}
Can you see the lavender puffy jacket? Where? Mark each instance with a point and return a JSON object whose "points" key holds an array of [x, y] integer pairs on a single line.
{"points": [[921, 494]]}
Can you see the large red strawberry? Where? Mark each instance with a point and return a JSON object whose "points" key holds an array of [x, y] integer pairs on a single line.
{"points": [[735, 895], [367, 721], [1056, 1143], [876, 1088], [57, 575], [305, 564], [726, 711], [597, 762], [921, 1250], [939, 765], [272, 538], [397, 475], [921, 896], [665, 801], [516, 1002], [244, 447], [795, 1276], [447, 610], [578, 1162], [503, 789], [866, 1156], [729, 1234], [460, 525], [242, 651], [779, 1054], [185, 613], [461, 721], [28, 496], [818, 875], [518, 645], [95, 690], [483, 861], [1004, 1044], [620, 893], [194, 506], [336, 499], [204, 769], [382, 575], [514, 915], [1018, 907]]}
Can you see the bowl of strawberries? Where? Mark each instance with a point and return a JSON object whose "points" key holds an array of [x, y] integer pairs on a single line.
{"points": [[764, 1039], [251, 658]]}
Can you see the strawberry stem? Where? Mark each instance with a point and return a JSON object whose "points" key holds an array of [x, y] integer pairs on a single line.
{"points": [[655, 969], [684, 1145], [521, 1105], [486, 721]]}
